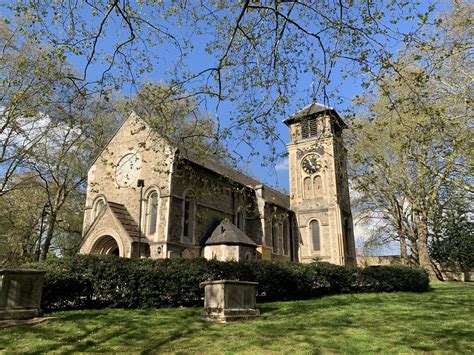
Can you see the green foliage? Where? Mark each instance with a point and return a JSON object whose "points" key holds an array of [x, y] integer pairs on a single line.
{"points": [[413, 142], [393, 278], [255, 54], [453, 245], [98, 281], [175, 116]]}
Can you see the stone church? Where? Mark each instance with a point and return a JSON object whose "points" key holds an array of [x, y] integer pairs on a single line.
{"points": [[189, 206]]}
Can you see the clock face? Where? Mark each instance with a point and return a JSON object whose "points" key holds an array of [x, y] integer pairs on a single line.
{"points": [[311, 164], [127, 170]]}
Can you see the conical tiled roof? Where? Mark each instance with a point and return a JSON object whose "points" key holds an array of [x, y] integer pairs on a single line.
{"points": [[228, 234]]}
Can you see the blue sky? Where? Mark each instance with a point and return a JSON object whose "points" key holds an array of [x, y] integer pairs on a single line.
{"points": [[166, 55]]}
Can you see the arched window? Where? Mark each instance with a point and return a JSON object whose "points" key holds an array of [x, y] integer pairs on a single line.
{"points": [[315, 235], [274, 237], [152, 212], [308, 193], [286, 238], [317, 186], [189, 211], [99, 207], [240, 220]]}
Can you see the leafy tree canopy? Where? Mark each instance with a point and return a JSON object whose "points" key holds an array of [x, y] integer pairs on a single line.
{"points": [[253, 55]]}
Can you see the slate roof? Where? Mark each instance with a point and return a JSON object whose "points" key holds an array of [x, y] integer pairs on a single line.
{"points": [[313, 109], [124, 217], [271, 195], [228, 234]]}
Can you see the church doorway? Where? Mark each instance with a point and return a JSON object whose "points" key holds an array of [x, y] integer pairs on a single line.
{"points": [[106, 245]]}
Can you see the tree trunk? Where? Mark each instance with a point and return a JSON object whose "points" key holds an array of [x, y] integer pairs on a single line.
{"points": [[414, 253], [403, 250], [423, 254], [49, 236]]}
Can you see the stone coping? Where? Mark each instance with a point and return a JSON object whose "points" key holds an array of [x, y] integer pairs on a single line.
{"points": [[17, 271], [235, 282]]}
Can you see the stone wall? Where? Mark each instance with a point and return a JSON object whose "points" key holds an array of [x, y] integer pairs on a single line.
{"points": [[229, 252], [154, 159], [363, 261], [329, 206], [216, 198]]}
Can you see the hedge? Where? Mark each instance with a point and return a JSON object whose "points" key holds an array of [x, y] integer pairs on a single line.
{"points": [[89, 281]]}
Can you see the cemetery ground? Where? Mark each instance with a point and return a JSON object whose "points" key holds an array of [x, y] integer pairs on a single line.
{"points": [[439, 321]]}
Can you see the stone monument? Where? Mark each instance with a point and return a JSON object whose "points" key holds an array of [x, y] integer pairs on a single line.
{"points": [[20, 293], [230, 300]]}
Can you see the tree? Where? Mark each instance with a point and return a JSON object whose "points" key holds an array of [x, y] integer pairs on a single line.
{"points": [[20, 221], [257, 52], [28, 78], [52, 133], [177, 118], [416, 143], [62, 158], [453, 243]]}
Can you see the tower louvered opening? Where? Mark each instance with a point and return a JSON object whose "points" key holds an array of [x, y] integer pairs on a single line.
{"points": [[309, 128]]}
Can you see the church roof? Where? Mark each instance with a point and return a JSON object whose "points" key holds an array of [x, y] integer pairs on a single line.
{"points": [[314, 108], [124, 217], [270, 195], [228, 234]]}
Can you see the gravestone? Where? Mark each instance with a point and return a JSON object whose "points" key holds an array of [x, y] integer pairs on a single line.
{"points": [[20, 293], [229, 300]]}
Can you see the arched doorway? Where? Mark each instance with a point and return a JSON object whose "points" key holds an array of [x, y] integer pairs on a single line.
{"points": [[106, 245]]}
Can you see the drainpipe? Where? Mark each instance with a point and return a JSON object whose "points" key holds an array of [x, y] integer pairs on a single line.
{"points": [[140, 184]]}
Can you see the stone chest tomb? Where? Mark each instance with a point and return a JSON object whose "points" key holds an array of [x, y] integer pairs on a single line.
{"points": [[229, 300]]}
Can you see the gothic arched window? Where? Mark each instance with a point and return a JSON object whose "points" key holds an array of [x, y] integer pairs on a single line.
{"points": [[152, 212], [189, 211], [315, 235]]}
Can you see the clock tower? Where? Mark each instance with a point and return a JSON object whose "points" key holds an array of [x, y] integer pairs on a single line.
{"points": [[319, 189]]}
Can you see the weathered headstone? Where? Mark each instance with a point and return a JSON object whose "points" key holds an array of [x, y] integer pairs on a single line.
{"points": [[20, 293], [229, 300]]}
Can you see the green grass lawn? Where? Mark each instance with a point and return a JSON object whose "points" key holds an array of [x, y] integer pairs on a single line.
{"points": [[440, 320]]}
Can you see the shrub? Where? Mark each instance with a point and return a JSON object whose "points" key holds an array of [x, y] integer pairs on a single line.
{"points": [[90, 281], [392, 278]]}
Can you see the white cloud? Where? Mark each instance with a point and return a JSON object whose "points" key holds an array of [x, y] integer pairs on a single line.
{"points": [[282, 166]]}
